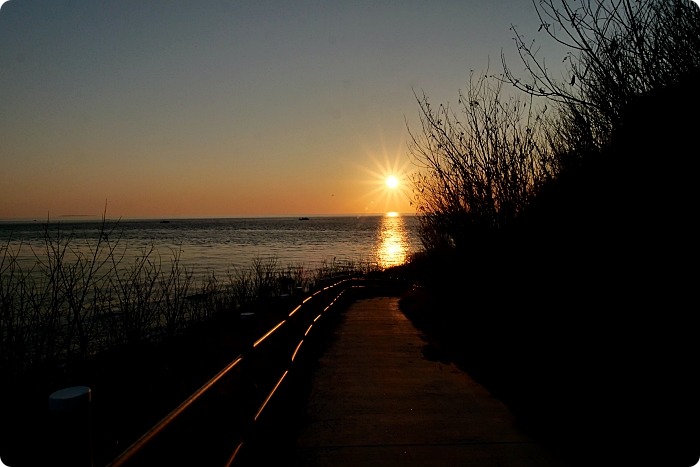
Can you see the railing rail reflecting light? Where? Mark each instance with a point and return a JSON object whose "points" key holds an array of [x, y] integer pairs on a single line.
{"points": [[324, 303]]}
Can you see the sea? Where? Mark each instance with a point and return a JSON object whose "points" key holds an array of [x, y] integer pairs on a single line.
{"points": [[220, 245]]}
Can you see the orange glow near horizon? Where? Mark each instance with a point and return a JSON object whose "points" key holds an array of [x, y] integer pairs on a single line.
{"points": [[374, 183]]}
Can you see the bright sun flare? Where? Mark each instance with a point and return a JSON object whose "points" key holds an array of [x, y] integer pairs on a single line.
{"points": [[390, 182]]}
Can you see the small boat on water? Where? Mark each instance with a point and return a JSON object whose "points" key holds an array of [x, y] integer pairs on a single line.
{"points": [[165, 222], [303, 218]]}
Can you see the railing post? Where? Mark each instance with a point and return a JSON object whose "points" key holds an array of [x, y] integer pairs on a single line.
{"points": [[71, 435]]}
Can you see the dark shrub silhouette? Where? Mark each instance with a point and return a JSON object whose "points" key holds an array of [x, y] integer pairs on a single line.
{"points": [[575, 307]]}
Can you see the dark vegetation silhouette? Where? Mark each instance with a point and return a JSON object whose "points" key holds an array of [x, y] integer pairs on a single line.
{"points": [[140, 328], [83, 296], [481, 171], [559, 240]]}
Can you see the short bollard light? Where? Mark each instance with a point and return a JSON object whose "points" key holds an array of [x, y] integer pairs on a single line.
{"points": [[71, 435]]}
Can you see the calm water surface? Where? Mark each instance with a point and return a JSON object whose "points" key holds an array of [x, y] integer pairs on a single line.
{"points": [[218, 244]]}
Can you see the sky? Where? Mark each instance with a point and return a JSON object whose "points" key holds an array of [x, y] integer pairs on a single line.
{"points": [[227, 108]]}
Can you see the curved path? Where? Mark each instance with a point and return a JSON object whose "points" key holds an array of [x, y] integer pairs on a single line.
{"points": [[376, 400]]}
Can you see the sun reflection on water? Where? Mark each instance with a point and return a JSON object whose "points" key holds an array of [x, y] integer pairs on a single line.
{"points": [[392, 245]]}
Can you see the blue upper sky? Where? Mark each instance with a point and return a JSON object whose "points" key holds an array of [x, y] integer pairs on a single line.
{"points": [[215, 107]]}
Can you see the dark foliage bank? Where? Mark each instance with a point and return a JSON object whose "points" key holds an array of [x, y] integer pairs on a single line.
{"points": [[576, 306]]}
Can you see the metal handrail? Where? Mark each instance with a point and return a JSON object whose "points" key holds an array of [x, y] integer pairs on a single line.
{"points": [[158, 427], [135, 447], [268, 333], [232, 458]]}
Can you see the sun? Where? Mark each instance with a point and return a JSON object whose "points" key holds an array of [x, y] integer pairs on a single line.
{"points": [[390, 180]]}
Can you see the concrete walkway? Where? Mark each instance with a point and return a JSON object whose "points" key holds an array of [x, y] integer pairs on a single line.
{"points": [[376, 400]]}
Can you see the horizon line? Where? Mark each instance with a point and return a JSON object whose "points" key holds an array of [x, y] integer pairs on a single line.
{"points": [[96, 217]]}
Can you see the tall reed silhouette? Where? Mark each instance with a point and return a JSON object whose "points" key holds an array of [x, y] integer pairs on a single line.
{"points": [[83, 296]]}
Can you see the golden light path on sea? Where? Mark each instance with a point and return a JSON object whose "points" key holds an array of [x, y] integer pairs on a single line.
{"points": [[392, 245]]}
